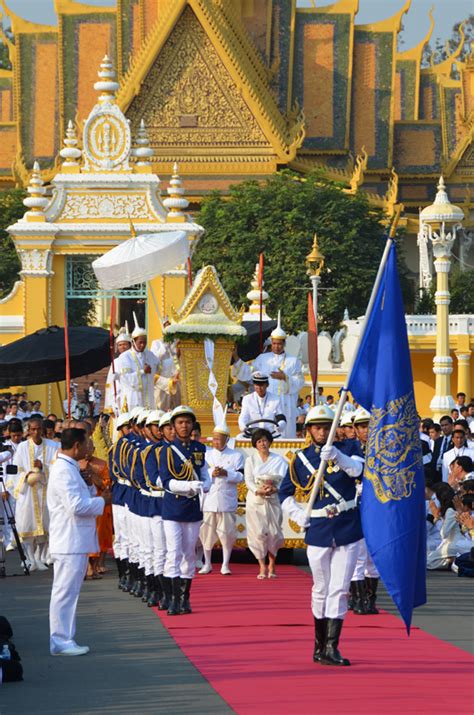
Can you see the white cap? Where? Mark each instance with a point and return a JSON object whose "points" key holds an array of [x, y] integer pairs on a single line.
{"points": [[123, 335], [143, 416], [154, 417], [135, 412], [122, 420], [361, 415], [278, 333], [346, 420], [137, 331], [165, 419], [182, 410], [319, 414]]}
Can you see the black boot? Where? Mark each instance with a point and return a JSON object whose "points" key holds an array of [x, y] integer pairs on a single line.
{"points": [[149, 587], [320, 629], [372, 584], [124, 572], [119, 564], [140, 588], [360, 604], [185, 605], [174, 607], [165, 584], [156, 593], [129, 581], [133, 578], [353, 596], [331, 655]]}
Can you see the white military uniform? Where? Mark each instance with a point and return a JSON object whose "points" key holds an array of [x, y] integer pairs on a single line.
{"points": [[220, 503], [31, 510], [286, 391], [168, 367], [73, 508], [255, 407]]}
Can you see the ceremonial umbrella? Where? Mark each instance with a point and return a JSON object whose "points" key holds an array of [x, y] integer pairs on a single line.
{"points": [[250, 347], [141, 258], [40, 358]]}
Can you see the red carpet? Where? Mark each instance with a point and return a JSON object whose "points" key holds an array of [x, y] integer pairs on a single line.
{"points": [[252, 640]]}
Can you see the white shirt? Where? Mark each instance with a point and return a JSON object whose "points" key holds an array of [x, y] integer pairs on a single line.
{"points": [[72, 509], [450, 455], [137, 386], [255, 407], [222, 495]]}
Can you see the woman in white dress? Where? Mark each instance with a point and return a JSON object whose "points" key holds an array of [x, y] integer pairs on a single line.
{"points": [[264, 470]]}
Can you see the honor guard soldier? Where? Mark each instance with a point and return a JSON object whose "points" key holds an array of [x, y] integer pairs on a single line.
{"points": [[158, 594], [365, 579], [120, 485], [185, 477], [333, 532]]}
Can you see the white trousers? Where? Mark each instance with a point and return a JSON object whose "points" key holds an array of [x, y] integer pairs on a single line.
{"points": [[119, 515], [159, 544], [133, 529], [69, 572], [332, 568], [218, 525], [364, 564], [181, 538], [145, 544]]}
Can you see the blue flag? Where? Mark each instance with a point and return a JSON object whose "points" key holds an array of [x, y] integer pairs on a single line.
{"points": [[393, 496]]}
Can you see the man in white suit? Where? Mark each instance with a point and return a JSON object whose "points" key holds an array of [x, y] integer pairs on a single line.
{"points": [[73, 508]]}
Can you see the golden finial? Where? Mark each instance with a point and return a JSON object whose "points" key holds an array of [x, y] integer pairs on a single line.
{"points": [[315, 259]]}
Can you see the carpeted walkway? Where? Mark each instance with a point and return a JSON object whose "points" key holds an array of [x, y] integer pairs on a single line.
{"points": [[254, 646]]}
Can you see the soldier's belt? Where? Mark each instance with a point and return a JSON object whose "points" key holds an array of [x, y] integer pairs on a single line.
{"points": [[152, 494], [124, 482], [331, 510]]}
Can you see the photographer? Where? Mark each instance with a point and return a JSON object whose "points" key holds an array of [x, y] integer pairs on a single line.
{"points": [[73, 508], [8, 450]]}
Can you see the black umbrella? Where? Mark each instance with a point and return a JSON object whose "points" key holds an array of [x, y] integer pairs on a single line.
{"points": [[39, 358], [250, 347]]}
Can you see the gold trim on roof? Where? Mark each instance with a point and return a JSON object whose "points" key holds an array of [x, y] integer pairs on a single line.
{"points": [[390, 24], [342, 7], [219, 21], [207, 280]]}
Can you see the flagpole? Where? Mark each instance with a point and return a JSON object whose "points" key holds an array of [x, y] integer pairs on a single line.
{"points": [[111, 341], [68, 366], [344, 390], [260, 281]]}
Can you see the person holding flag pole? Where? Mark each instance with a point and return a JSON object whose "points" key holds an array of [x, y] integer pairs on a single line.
{"points": [[391, 515]]}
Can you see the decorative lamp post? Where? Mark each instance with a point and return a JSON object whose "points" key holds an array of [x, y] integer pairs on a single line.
{"points": [[442, 221], [315, 264]]}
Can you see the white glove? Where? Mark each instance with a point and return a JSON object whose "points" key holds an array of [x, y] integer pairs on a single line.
{"points": [[329, 453], [115, 376], [296, 512], [352, 466], [187, 489]]}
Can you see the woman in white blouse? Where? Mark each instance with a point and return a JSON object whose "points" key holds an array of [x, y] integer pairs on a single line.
{"points": [[264, 470], [453, 541]]}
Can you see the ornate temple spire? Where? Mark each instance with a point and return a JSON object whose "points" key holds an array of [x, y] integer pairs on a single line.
{"points": [[36, 201], [176, 203], [107, 84], [71, 152], [142, 151], [253, 296]]}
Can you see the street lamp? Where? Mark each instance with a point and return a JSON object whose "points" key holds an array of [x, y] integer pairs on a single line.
{"points": [[442, 221], [315, 264]]}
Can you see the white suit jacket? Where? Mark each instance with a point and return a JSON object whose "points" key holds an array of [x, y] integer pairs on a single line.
{"points": [[222, 495], [72, 510], [257, 408], [450, 455]]}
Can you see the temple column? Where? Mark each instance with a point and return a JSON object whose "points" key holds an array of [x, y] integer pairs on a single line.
{"points": [[464, 373]]}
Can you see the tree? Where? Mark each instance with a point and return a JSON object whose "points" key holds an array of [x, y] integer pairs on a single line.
{"points": [[441, 49], [11, 209], [5, 63], [462, 292], [279, 217]]}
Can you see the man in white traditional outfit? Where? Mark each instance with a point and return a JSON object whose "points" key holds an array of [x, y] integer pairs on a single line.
{"points": [[33, 459], [138, 371], [112, 399], [168, 367], [285, 375], [73, 508], [259, 406], [226, 469]]}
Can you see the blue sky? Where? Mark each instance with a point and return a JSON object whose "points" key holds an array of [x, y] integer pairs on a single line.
{"points": [[446, 13]]}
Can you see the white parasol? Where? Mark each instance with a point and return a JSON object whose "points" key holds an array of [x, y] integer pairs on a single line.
{"points": [[141, 258]]}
